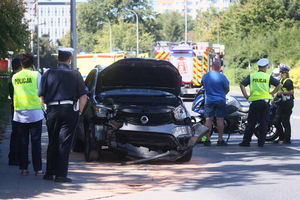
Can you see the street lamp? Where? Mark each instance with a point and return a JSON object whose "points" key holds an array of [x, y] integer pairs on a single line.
{"points": [[185, 21], [38, 46], [110, 34], [137, 31]]}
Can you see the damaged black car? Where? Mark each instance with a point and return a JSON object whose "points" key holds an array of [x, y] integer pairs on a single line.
{"points": [[134, 108]]}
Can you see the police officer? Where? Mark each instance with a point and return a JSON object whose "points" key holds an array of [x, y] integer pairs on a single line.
{"points": [[61, 88], [285, 106], [259, 96], [28, 114]]}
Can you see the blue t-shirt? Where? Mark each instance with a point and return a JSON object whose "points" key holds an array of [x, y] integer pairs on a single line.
{"points": [[215, 85]]}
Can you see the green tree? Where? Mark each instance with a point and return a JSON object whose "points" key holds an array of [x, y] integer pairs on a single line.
{"points": [[47, 51], [172, 26], [94, 16], [255, 29], [123, 40], [13, 35]]}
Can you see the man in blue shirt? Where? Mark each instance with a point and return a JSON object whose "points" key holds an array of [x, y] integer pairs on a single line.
{"points": [[216, 87]]}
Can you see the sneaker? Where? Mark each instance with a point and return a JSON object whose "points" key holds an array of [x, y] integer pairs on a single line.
{"points": [[39, 173], [207, 143], [63, 180], [221, 143], [244, 144]]}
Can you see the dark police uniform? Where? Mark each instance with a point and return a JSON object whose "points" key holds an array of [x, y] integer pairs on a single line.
{"points": [[258, 112], [284, 112], [61, 87]]}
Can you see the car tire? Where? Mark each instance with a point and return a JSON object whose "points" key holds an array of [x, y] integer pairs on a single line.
{"points": [[187, 157], [78, 145], [272, 133], [91, 152]]}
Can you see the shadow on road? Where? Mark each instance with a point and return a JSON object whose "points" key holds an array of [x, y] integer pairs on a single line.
{"points": [[210, 167]]}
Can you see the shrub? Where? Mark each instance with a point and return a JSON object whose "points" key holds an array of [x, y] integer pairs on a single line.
{"points": [[4, 77], [295, 76], [236, 75]]}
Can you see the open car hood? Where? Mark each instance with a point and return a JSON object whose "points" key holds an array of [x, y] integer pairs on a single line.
{"points": [[139, 73]]}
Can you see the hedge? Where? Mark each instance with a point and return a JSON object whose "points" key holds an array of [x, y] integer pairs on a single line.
{"points": [[4, 77]]}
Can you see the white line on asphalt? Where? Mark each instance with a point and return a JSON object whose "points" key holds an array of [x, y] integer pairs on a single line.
{"points": [[295, 117]]}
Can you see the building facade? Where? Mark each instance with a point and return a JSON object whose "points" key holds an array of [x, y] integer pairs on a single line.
{"points": [[51, 16], [193, 6]]}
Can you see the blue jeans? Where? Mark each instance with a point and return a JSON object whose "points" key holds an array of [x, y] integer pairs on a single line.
{"points": [[33, 129]]}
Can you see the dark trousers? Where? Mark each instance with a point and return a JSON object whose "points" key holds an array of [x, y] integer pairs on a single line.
{"points": [[33, 129], [282, 123], [61, 123], [14, 146], [258, 114]]}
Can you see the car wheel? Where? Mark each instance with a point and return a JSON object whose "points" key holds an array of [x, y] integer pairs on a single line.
{"points": [[272, 133], [91, 152], [78, 145], [187, 157]]}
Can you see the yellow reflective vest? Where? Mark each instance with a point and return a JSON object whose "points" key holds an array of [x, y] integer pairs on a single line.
{"points": [[259, 86], [26, 90], [282, 82]]}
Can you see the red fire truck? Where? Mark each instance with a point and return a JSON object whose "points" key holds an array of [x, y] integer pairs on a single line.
{"points": [[192, 60]]}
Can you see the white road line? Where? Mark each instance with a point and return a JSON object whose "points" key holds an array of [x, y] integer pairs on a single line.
{"points": [[295, 116]]}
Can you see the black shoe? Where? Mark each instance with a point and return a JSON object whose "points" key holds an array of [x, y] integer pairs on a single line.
{"points": [[48, 177], [286, 142], [260, 145], [221, 143], [244, 144], [278, 141], [63, 180], [207, 143]]}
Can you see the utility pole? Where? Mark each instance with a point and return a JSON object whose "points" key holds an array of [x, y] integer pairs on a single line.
{"points": [[137, 30], [73, 33], [185, 21]]}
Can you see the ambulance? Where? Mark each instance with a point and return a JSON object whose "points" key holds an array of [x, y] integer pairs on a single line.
{"points": [[87, 62]]}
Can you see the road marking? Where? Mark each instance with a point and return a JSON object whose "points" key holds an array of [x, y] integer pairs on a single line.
{"points": [[295, 117]]}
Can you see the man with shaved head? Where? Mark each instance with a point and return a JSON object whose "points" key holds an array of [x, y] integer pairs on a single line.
{"points": [[216, 87]]}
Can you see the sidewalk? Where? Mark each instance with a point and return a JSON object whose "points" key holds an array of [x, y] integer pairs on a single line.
{"points": [[94, 180]]}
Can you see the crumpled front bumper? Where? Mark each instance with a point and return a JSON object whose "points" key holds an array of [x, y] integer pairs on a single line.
{"points": [[198, 129]]}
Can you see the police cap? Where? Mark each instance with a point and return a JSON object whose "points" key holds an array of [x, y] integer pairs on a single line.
{"points": [[284, 68], [263, 62], [64, 53]]}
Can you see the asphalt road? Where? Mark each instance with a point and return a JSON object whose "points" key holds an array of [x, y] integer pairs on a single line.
{"points": [[214, 173]]}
